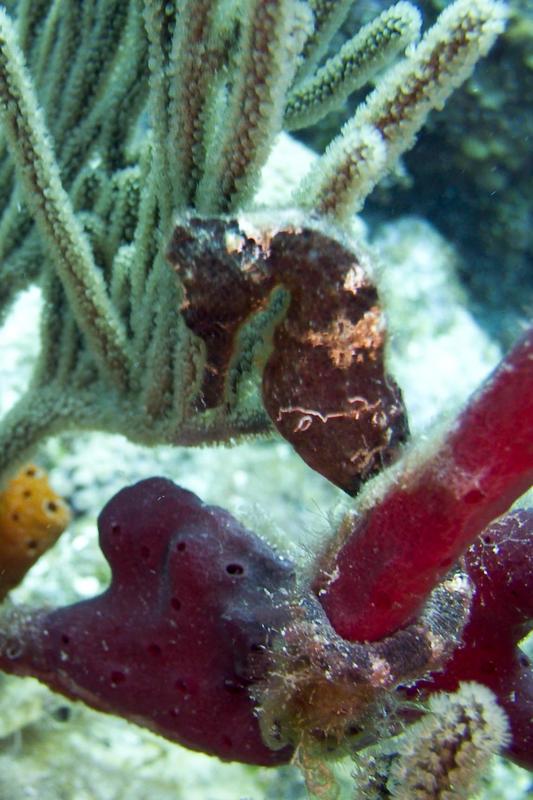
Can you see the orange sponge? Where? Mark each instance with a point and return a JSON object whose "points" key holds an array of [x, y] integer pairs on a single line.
{"points": [[32, 517]]}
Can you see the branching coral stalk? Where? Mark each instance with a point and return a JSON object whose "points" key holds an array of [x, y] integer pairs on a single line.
{"points": [[370, 50], [197, 57], [72, 255], [397, 109], [328, 16], [272, 38]]}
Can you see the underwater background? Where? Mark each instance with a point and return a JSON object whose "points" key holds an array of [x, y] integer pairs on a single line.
{"points": [[451, 231]]}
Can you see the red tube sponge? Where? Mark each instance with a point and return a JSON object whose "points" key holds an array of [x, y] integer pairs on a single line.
{"points": [[395, 554]]}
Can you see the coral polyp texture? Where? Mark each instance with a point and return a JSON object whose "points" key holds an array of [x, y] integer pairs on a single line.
{"points": [[179, 311], [444, 754]]}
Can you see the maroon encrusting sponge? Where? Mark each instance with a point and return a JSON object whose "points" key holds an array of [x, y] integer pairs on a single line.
{"points": [[177, 637]]}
